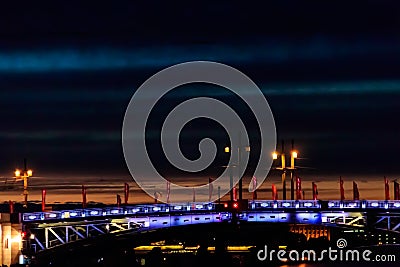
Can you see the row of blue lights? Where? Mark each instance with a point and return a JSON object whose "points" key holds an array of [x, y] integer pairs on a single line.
{"points": [[364, 204], [109, 211], [190, 207], [298, 217], [290, 204], [332, 204]]}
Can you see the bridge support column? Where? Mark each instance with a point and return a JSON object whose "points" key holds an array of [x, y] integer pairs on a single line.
{"points": [[10, 240], [46, 237], [284, 185], [291, 186]]}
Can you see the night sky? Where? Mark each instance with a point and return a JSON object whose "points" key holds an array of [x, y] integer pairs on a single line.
{"points": [[329, 71]]}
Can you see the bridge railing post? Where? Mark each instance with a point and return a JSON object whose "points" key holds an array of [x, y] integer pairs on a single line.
{"points": [[46, 237]]}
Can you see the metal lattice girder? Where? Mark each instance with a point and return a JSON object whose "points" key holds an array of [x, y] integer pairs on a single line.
{"points": [[55, 234], [386, 221], [396, 227], [344, 218], [353, 222], [48, 235]]}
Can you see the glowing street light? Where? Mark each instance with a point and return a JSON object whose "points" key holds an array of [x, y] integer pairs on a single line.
{"points": [[24, 175], [283, 168], [228, 150], [293, 156]]}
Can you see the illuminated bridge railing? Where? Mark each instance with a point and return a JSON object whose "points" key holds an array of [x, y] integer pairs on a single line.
{"points": [[284, 204], [256, 205], [115, 211], [364, 204], [324, 205]]}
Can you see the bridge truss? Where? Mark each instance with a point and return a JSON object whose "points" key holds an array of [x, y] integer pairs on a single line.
{"points": [[50, 229]]}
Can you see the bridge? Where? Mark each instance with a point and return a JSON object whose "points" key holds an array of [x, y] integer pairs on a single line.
{"points": [[40, 231]]}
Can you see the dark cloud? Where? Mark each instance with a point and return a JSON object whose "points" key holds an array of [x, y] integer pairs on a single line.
{"points": [[245, 52], [329, 72]]}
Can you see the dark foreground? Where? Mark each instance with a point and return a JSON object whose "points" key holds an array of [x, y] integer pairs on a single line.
{"points": [[201, 245]]}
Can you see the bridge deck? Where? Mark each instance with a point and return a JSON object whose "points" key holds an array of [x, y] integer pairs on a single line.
{"points": [[257, 205], [48, 229]]}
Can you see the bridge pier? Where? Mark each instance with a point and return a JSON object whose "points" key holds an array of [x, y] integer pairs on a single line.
{"points": [[10, 239]]}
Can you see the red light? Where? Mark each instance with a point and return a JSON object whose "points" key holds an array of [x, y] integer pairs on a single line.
{"points": [[225, 205], [23, 235], [235, 205]]}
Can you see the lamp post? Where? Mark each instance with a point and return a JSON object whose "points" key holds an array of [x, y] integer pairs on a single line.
{"points": [[25, 174], [293, 156], [227, 150], [283, 168]]}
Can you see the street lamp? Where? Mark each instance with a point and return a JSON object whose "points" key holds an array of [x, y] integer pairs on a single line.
{"points": [[293, 156], [25, 174], [283, 168], [227, 150]]}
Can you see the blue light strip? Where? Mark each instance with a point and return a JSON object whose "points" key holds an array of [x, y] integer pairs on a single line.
{"points": [[256, 205], [115, 211]]}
